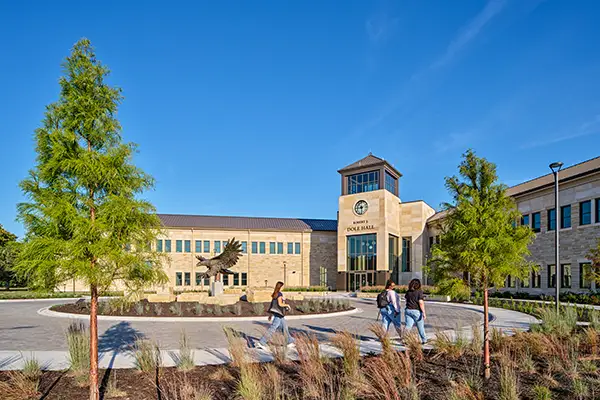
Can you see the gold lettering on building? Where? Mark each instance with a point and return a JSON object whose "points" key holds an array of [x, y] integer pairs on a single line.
{"points": [[362, 225]]}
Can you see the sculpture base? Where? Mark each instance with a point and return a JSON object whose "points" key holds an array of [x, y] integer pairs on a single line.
{"points": [[216, 288]]}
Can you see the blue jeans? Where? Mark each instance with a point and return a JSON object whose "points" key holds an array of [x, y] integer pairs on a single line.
{"points": [[277, 322], [416, 317], [388, 316]]}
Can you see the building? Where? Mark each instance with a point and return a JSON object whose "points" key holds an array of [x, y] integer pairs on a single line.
{"points": [[377, 236]]}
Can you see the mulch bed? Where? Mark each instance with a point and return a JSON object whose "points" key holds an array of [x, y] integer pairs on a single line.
{"points": [[189, 309]]}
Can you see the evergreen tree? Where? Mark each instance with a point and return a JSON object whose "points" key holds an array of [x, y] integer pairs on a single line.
{"points": [[8, 252], [481, 244], [84, 210]]}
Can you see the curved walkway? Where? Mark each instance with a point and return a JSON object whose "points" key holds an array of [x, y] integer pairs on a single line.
{"points": [[25, 334]]}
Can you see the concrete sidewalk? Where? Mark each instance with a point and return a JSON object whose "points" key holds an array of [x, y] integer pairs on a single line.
{"points": [[505, 320]]}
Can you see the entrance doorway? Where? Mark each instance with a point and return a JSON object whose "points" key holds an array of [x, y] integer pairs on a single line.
{"points": [[357, 280]]}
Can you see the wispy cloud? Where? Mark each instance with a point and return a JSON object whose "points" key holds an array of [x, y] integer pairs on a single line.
{"points": [[453, 141], [380, 27], [588, 127]]}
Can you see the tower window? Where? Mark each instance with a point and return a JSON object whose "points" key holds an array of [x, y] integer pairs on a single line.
{"points": [[363, 182]]}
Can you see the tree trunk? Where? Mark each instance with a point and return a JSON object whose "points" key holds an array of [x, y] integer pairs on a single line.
{"points": [[94, 389], [486, 335]]}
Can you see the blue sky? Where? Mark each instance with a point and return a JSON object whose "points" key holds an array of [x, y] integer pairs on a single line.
{"points": [[250, 107]]}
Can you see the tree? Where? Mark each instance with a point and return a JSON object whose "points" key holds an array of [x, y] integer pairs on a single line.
{"points": [[480, 237], [8, 253], [594, 272], [84, 219], [6, 236]]}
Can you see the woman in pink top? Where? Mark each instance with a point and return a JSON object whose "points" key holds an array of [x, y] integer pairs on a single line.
{"points": [[391, 314]]}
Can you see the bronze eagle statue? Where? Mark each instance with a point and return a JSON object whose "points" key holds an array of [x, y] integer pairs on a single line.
{"points": [[221, 263]]}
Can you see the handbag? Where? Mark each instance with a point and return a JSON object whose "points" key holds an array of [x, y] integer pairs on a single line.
{"points": [[275, 309]]}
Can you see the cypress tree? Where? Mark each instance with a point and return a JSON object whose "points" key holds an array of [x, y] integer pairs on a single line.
{"points": [[480, 238], [84, 217]]}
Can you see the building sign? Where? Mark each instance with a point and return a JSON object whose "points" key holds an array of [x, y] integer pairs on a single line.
{"points": [[359, 226]]}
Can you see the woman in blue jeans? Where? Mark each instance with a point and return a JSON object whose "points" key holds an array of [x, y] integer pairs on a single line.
{"points": [[276, 314], [415, 309], [391, 314]]}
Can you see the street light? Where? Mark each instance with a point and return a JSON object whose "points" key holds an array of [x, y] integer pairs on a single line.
{"points": [[555, 167]]}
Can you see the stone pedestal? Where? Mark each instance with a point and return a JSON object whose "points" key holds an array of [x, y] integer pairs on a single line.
{"points": [[216, 288]]}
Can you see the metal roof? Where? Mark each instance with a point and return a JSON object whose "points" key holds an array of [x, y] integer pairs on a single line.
{"points": [[244, 223], [369, 161]]}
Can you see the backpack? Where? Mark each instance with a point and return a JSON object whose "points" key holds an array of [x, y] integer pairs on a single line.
{"points": [[382, 299]]}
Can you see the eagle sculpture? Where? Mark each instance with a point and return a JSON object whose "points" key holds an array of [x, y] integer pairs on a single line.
{"points": [[221, 263]]}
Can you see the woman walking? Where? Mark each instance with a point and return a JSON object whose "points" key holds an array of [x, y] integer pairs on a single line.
{"points": [[415, 309], [276, 314], [391, 312]]}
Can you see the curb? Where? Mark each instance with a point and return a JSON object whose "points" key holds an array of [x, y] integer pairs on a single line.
{"points": [[49, 313], [54, 299]]}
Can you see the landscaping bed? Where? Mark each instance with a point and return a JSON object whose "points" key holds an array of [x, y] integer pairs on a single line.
{"points": [[29, 294], [143, 308]]}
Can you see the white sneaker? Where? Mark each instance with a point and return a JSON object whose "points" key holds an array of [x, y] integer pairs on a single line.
{"points": [[259, 345], [291, 345]]}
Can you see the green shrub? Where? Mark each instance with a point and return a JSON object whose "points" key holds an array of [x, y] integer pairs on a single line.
{"points": [[26, 294], [541, 393], [78, 342], [198, 309], [306, 289], [147, 355], [176, 309], [258, 308], [186, 354]]}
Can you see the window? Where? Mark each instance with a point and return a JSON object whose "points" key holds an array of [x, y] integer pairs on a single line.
{"points": [[244, 247], [390, 183], [187, 277], [297, 247], [207, 246], [525, 220], [178, 246], [198, 278], [236, 279], [198, 246], [178, 278], [364, 182], [552, 219], [187, 246], [565, 275], [585, 212], [510, 282], [584, 269], [254, 247], [362, 252], [167, 245], [393, 255], [322, 276], [225, 243], [551, 276], [217, 246], [525, 282], [272, 248], [597, 210], [290, 248], [406, 245], [244, 279], [225, 280], [206, 281], [536, 220], [262, 247], [279, 247], [159, 246], [536, 278], [430, 242], [565, 217]]}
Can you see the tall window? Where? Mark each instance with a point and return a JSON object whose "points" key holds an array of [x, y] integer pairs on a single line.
{"points": [[225, 280], [597, 210], [565, 275], [297, 247], [244, 247], [272, 248], [525, 282], [525, 220], [390, 183], [393, 255], [536, 278], [362, 252], [406, 245], [187, 278], [187, 246], [244, 279], [236, 279], [565, 217], [290, 248], [536, 219], [168, 245], [262, 247], [198, 246], [198, 278], [254, 247], [552, 219], [585, 212], [159, 246], [584, 269], [178, 278], [178, 246], [207, 246], [279, 247], [510, 282], [217, 246], [322, 276], [364, 182], [551, 276]]}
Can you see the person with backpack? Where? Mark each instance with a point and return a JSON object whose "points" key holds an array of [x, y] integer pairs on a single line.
{"points": [[415, 309], [277, 314], [389, 307]]}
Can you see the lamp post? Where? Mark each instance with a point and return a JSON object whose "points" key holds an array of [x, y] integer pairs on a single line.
{"points": [[555, 167]]}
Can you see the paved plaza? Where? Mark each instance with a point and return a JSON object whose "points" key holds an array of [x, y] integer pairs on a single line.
{"points": [[24, 331]]}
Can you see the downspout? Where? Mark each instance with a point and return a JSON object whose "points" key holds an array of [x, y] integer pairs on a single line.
{"points": [[302, 259]]}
